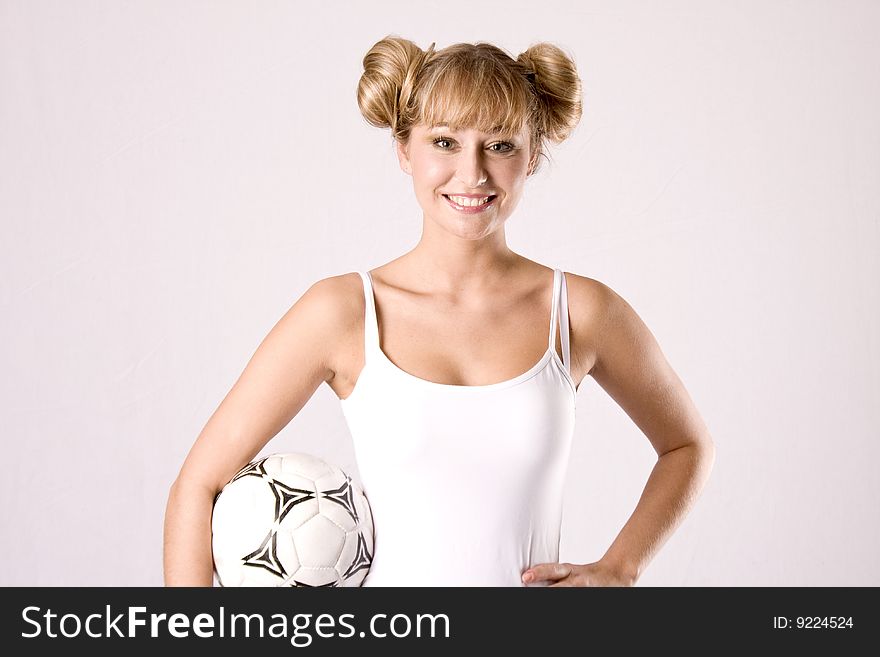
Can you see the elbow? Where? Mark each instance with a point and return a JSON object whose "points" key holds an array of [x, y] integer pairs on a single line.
{"points": [[705, 449], [699, 451], [187, 485], [708, 447]]}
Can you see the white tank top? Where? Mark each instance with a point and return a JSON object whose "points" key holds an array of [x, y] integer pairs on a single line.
{"points": [[465, 483]]}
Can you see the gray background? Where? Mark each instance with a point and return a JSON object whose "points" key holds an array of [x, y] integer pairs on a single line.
{"points": [[174, 175]]}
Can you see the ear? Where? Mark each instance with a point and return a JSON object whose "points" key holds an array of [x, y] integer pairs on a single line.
{"points": [[533, 162], [402, 156]]}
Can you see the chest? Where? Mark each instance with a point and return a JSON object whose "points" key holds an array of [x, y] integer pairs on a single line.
{"points": [[454, 344], [466, 348]]}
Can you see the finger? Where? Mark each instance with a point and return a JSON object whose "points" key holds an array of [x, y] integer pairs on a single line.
{"points": [[547, 571]]}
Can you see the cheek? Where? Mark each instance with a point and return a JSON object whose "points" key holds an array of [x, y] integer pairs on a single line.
{"points": [[428, 175]]}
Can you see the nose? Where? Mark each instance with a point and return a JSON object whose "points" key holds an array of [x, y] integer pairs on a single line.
{"points": [[470, 170]]}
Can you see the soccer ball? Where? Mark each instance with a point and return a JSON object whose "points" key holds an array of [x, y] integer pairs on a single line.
{"points": [[291, 520]]}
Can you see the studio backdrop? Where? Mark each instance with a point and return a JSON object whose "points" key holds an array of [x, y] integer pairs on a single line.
{"points": [[174, 175]]}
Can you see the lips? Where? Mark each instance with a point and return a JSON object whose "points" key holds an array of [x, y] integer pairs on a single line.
{"points": [[470, 209]]}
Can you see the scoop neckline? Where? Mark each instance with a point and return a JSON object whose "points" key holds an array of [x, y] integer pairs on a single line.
{"points": [[547, 356], [532, 371]]}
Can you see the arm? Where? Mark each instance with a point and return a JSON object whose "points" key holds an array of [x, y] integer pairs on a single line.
{"points": [[281, 376], [632, 369]]}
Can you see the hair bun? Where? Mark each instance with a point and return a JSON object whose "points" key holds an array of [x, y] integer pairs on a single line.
{"points": [[390, 68], [558, 87]]}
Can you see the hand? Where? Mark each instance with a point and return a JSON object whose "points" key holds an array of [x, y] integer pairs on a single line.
{"points": [[569, 574]]}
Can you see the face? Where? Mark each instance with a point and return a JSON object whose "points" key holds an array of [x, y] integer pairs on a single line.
{"points": [[446, 163]]}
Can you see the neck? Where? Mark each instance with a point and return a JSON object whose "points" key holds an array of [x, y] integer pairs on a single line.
{"points": [[461, 267]]}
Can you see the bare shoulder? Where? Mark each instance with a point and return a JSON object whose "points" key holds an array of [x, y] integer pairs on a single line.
{"points": [[631, 367], [605, 319], [616, 324], [588, 304], [339, 302], [290, 363], [340, 295]]}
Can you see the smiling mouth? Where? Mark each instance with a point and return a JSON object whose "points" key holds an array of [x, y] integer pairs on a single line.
{"points": [[469, 209]]}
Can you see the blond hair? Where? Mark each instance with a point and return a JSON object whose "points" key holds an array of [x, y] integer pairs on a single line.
{"points": [[471, 85]]}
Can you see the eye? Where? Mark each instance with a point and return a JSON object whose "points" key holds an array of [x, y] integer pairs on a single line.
{"points": [[507, 146], [504, 143]]}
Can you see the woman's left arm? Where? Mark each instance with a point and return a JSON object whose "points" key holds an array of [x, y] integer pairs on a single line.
{"points": [[630, 366]]}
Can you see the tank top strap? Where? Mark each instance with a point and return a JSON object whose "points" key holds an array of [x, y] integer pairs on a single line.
{"points": [[371, 325], [559, 310]]}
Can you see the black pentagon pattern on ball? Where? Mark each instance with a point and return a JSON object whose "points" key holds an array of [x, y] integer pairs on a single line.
{"points": [[266, 556], [362, 559], [344, 497], [287, 497], [255, 469], [314, 586]]}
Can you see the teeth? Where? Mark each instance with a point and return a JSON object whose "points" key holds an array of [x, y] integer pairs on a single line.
{"points": [[469, 202]]}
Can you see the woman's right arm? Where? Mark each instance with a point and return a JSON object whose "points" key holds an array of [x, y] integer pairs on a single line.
{"points": [[281, 376]]}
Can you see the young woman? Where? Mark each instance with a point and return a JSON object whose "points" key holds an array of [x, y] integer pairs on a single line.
{"points": [[458, 363]]}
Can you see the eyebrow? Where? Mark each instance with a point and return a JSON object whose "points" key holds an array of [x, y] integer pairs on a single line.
{"points": [[497, 128]]}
